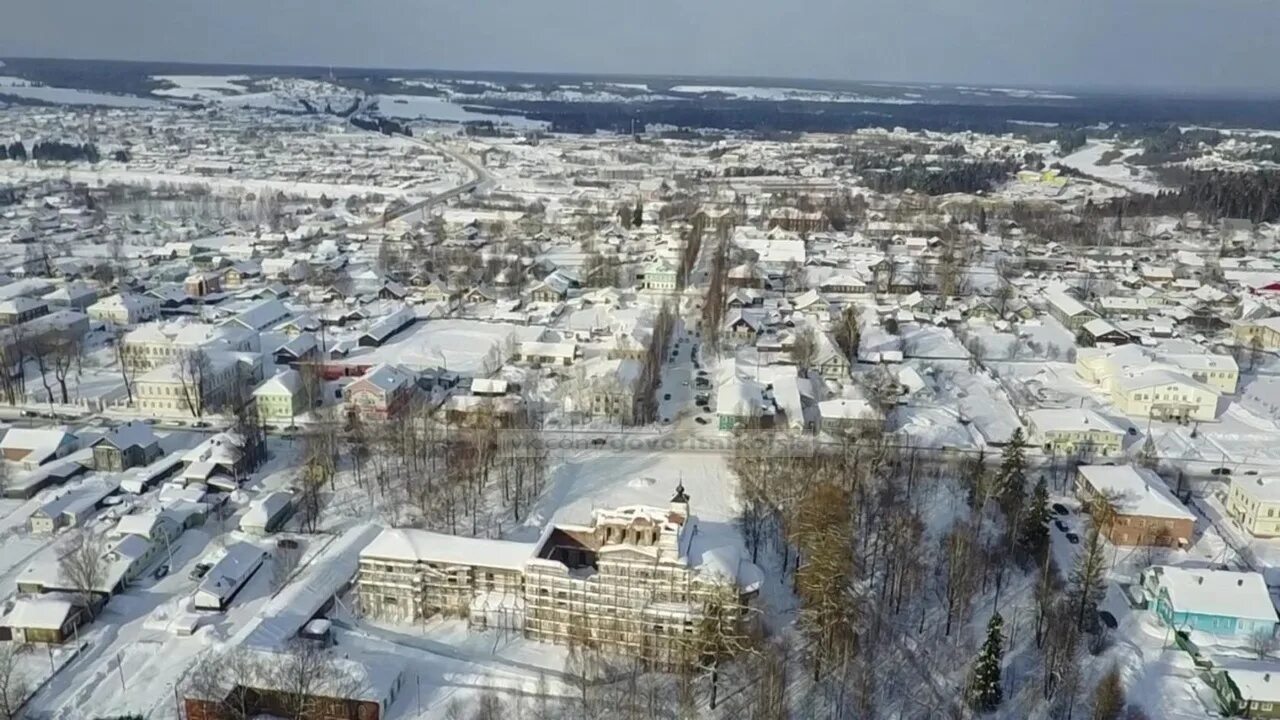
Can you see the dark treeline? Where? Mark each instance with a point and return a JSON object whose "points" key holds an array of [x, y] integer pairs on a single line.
{"points": [[386, 126], [970, 177], [1214, 194], [58, 151]]}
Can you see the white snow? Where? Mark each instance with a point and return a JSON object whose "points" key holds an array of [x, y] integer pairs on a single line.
{"points": [[16, 86], [775, 94], [1086, 160], [193, 87], [426, 107]]}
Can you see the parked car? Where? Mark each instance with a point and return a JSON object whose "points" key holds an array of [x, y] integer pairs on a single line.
{"points": [[160, 572], [597, 442], [200, 570], [667, 396], [287, 544], [1108, 619], [1062, 527], [1061, 509], [701, 420], [1073, 538]]}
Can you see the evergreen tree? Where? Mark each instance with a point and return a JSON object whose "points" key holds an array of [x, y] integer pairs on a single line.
{"points": [[982, 220], [4, 152], [1147, 457], [637, 217], [1033, 534], [1088, 579], [985, 689], [18, 151], [1108, 697], [1011, 482]]}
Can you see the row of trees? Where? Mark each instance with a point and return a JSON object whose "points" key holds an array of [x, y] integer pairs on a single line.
{"points": [[421, 470], [882, 582]]}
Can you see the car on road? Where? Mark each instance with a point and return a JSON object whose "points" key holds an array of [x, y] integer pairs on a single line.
{"points": [[30, 413], [1108, 619], [1073, 538], [667, 396], [1062, 527], [199, 424], [1220, 471], [1061, 509], [160, 572]]}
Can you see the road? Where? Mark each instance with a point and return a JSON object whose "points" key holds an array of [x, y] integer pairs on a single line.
{"points": [[480, 178]]}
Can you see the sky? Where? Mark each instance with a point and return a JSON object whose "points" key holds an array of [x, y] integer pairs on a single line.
{"points": [[1200, 45]]}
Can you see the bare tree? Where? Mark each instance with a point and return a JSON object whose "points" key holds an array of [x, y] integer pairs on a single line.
{"points": [[13, 684], [804, 349], [65, 353], [305, 675], [84, 566], [126, 370], [286, 562], [1264, 644], [226, 679], [191, 369]]}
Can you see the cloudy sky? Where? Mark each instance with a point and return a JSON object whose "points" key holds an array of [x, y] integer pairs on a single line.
{"points": [[1199, 45]]}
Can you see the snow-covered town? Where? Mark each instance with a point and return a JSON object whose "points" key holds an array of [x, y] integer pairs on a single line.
{"points": [[328, 403]]}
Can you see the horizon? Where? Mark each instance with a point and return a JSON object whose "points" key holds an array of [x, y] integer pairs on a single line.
{"points": [[1163, 92]]}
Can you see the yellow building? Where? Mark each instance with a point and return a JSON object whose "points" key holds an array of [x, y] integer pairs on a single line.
{"points": [[1072, 431], [1164, 395], [1254, 503], [1267, 331]]}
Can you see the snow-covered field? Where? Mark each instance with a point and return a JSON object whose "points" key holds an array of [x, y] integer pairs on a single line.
{"points": [[199, 87], [71, 96], [426, 107], [776, 94], [1087, 160]]}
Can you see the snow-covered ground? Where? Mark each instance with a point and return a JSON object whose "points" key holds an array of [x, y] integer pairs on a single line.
{"points": [[200, 87], [1088, 161], [426, 107], [71, 96]]}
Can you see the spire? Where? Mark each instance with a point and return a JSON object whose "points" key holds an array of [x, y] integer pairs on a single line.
{"points": [[680, 496]]}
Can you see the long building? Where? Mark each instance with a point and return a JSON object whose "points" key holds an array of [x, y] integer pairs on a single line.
{"points": [[637, 581]]}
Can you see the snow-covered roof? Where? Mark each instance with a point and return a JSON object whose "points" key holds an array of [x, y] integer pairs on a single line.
{"points": [[1257, 680], [1065, 303], [410, 545], [265, 508], [128, 435], [489, 386], [1136, 491], [1071, 420], [41, 613], [1264, 489], [1222, 593], [41, 443], [847, 409], [1151, 377], [285, 382], [387, 377]]}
